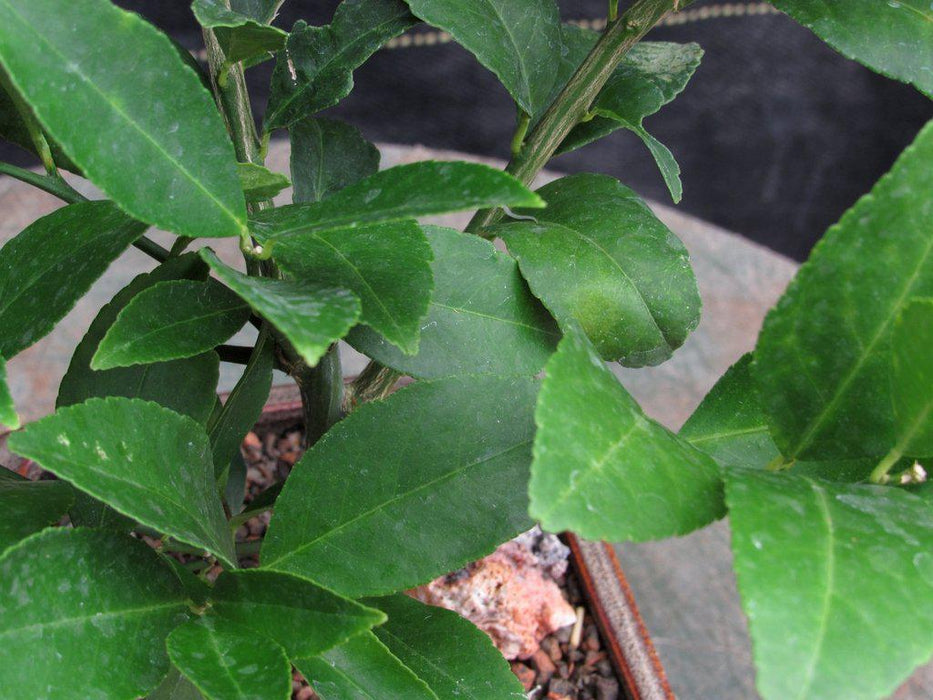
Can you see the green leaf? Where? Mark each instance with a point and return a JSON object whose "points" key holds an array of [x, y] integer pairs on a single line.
{"points": [[482, 319], [403, 192], [729, 424], [912, 379], [240, 37], [598, 256], [328, 155], [229, 662], [406, 477], [833, 579], [259, 183], [387, 266], [448, 653], [731, 427], [82, 239], [893, 38], [605, 470], [29, 506], [8, 415], [171, 320], [175, 687], [650, 76], [315, 70], [187, 386], [84, 614], [311, 316], [362, 668], [242, 408], [171, 166], [518, 40], [823, 358], [298, 614], [170, 486], [259, 10]]}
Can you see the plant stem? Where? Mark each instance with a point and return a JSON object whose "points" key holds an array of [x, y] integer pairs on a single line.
{"points": [[232, 98], [524, 119], [55, 185], [374, 383], [52, 184], [879, 475], [321, 390], [573, 103]]}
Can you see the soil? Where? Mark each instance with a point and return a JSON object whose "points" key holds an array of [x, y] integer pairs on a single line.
{"points": [[572, 663]]}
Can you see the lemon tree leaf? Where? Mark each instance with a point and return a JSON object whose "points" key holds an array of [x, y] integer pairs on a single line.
{"points": [[172, 167], [106, 447]]}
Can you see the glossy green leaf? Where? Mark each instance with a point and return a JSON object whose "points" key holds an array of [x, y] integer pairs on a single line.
{"points": [[894, 38], [242, 408], [8, 415], [482, 319], [309, 315], [29, 506], [328, 155], [240, 37], [187, 386], [730, 426], [823, 358], [146, 461], [171, 320], [650, 76], [229, 662], [387, 266], [259, 10], [913, 379], [598, 256], [362, 668], [175, 687], [518, 40], [259, 183], [447, 652], [405, 477], [35, 291], [833, 579], [403, 192], [602, 468], [168, 161], [315, 70], [84, 614], [298, 614]]}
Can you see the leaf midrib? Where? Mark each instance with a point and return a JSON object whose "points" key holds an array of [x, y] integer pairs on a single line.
{"points": [[195, 181], [77, 619], [830, 560], [121, 351], [490, 317], [396, 499], [355, 270], [807, 439]]}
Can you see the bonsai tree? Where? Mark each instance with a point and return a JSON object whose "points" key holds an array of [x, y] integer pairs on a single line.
{"points": [[810, 444]]}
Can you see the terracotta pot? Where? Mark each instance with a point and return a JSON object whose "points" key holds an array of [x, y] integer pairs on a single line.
{"points": [[608, 594]]}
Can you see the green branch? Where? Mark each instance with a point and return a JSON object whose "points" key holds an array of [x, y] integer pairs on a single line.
{"points": [[573, 103]]}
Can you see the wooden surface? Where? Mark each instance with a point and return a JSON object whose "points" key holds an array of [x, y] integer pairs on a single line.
{"points": [[684, 587]]}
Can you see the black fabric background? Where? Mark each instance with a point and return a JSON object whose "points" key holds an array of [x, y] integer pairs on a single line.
{"points": [[776, 134]]}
